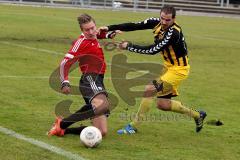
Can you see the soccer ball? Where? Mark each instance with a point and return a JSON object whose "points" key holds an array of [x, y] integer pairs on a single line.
{"points": [[90, 137]]}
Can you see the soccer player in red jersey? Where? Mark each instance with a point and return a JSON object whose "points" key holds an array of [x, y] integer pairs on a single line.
{"points": [[88, 52]]}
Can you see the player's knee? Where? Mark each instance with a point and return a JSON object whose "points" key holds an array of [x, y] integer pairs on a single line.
{"points": [[101, 104], [149, 91], [149, 88], [100, 101], [104, 103], [103, 131], [164, 104]]}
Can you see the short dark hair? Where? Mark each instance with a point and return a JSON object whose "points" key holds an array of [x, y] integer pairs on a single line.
{"points": [[85, 18], [169, 10]]}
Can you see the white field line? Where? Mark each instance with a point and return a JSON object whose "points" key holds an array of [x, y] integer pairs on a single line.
{"points": [[41, 50], [41, 144], [32, 48], [61, 54], [24, 77], [47, 77]]}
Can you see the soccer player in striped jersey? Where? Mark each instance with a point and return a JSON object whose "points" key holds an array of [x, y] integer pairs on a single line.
{"points": [[170, 42], [87, 51]]}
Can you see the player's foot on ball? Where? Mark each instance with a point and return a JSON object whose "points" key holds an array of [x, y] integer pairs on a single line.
{"points": [[56, 130], [199, 121], [128, 129]]}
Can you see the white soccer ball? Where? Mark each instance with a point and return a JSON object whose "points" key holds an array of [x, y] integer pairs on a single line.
{"points": [[90, 137]]}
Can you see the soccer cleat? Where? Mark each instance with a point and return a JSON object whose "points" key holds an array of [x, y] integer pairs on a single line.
{"points": [[199, 121], [56, 130], [128, 129]]}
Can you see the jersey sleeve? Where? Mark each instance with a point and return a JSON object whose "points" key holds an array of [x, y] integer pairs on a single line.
{"points": [[105, 34], [69, 59], [102, 35], [149, 23], [171, 36]]}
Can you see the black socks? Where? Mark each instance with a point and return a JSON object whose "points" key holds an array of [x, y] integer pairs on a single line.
{"points": [[86, 112], [74, 130]]}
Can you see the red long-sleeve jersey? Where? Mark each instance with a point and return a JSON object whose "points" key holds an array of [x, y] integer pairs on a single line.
{"points": [[88, 53]]}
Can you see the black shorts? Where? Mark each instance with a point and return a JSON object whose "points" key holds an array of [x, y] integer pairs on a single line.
{"points": [[90, 85]]}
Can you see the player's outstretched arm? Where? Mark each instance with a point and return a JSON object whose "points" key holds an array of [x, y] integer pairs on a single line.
{"points": [[149, 23], [169, 37]]}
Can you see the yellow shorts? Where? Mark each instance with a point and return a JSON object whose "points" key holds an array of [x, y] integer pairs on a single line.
{"points": [[171, 79]]}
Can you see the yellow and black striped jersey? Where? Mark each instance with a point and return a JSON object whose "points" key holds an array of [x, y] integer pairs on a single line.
{"points": [[171, 42]]}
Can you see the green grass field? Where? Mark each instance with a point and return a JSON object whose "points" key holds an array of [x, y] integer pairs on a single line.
{"points": [[30, 39]]}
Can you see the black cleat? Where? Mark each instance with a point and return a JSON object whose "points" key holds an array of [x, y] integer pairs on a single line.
{"points": [[199, 121]]}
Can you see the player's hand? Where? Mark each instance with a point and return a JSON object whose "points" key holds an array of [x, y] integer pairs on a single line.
{"points": [[103, 28], [66, 88], [123, 45], [112, 34]]}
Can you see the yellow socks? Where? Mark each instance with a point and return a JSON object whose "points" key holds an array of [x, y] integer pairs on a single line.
{"points": [[145, 105], [178, 107]]}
